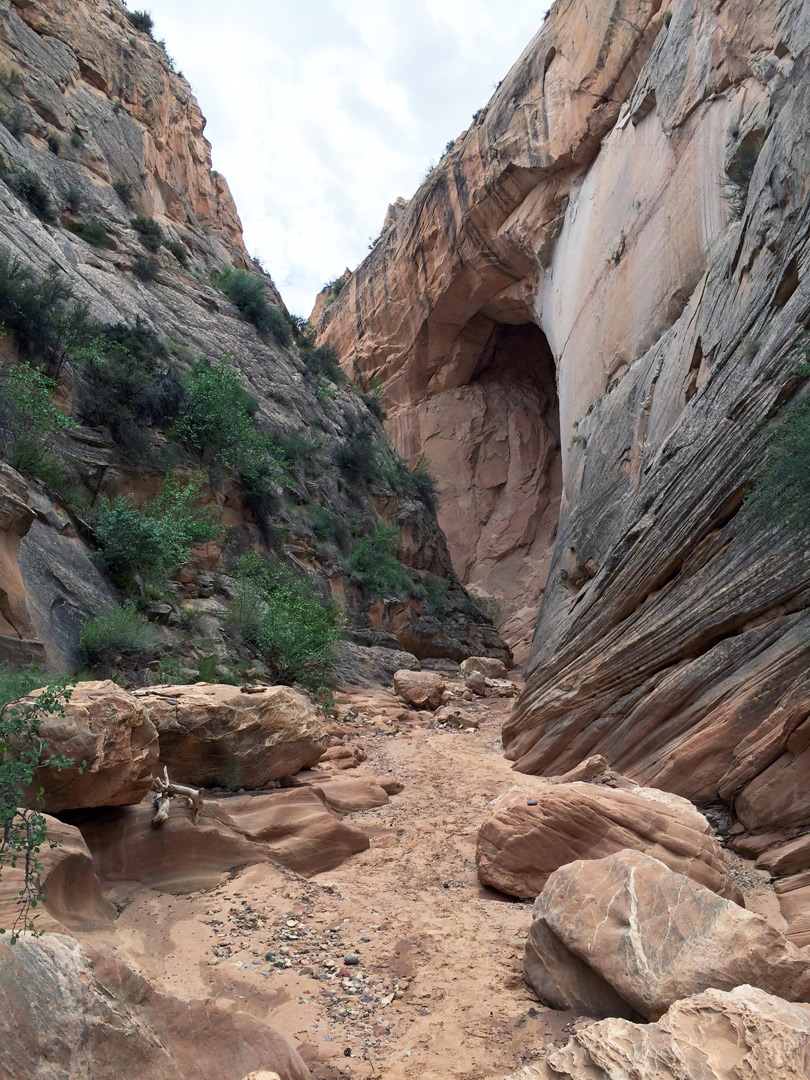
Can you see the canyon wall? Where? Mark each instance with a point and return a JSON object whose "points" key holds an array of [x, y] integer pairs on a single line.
{"points": [[636, 194]]}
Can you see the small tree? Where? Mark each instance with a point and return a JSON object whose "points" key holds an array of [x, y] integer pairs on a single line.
{"points": [[28, 417], [23, 831]]}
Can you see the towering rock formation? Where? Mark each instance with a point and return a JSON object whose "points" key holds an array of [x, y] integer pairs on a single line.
{"points": [[625, 230]]}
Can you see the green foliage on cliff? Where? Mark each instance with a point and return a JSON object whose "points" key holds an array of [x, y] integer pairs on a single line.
{"points": [[373, 565], [150, 540], [289, 623], [248, 293], [23, 831], [140, 20], [28, 185], [28, 418], [119, 629], [149, 231]]}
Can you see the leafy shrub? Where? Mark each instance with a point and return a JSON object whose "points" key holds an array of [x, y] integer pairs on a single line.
{"points": [[667, 19], [322, 361], [13, 121], [217, 422], [145, 270], [436, 590], [248, 294], [419, 484], [28, 418], [373, 400], [149, 231], [123, 189], [141, 20], [355, 457], [780, 491], [287, 621], [94, 231], [372, 564], [23, 832], [27, 185], [74, 200], [54, 143], [119, 629], [76, 140], [178, 250], [328, 526], [155, 538], [16, 682], [739, 171]]}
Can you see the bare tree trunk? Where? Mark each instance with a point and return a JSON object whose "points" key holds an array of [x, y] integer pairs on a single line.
{"points": [[163, 791]]}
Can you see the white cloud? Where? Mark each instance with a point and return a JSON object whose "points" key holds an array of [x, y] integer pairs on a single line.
{"points": [[322, 112]]}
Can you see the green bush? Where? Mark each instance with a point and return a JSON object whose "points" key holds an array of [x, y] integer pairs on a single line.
{"points": [[23, 832], [780, 483], [27, 185], [373, 566], [28, 418], [740, 170], [141, 20], [149, 232], [328, 526], [322, 361], [419, 484], [178, 250], [151, 540], [248, 294], [436, 590], [16, 682], [287, 621], [145, 270], [13, 121], [355, 457], [54, 143], [74, 200], [119, 629], [123, 189], [94, 231]]}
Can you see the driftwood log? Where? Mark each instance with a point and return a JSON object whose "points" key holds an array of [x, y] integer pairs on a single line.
{"points": [[164, 790]]}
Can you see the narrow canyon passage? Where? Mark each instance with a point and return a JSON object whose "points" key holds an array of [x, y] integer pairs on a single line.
{"points": [[493, 441], [442, 991]]}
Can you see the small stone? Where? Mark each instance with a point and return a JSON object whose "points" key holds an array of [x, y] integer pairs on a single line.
{"points": [[351, 961], [531, 802]]}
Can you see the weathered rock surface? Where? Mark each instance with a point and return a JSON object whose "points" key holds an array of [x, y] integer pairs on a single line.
{"points": [[488, 666], [213, 735], [68, 880], [292, 827], [736, 1035], [520, 845], [109, 730], [82, 1013], [420, 689], [625, 933]]}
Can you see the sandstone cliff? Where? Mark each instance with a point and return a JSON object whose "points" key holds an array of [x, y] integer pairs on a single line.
{"points": [[92, 109], [606, 280]]}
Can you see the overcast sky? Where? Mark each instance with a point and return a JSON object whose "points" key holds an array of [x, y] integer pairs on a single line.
{"points": [[321, 112]]}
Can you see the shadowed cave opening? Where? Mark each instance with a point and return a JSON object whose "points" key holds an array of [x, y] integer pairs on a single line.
{"points": [[501, 476]]}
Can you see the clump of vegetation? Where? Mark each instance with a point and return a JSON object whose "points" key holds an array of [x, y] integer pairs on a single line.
{"points": [[321, 361], [149, 232], [178, 250], [29, 419], [373, 400], [780, 483], [74, 200], [355, 456], [436, 590], [23, 831], [54, 143], [77, 140], [248, 294], [289, 623], [151, 540], [740, 170], [141, 20], [27, 185], [667, 19], [419, 484], [119, 629], [14, 122], [94, 231], [16, 682], [145, 270], [372, 564], [123, 189]]}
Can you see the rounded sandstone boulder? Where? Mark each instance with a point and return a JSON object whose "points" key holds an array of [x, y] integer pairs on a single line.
{"points": [[487, 666], [420, 689]]}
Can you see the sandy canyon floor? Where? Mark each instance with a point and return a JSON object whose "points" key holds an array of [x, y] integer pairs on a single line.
{"points": [[398, 963]]}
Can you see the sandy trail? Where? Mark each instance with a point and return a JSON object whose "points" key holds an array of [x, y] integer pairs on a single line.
{"points": [[436, 989]]}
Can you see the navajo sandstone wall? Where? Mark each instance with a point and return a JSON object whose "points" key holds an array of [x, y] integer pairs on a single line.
{"points": [[572, 323]]}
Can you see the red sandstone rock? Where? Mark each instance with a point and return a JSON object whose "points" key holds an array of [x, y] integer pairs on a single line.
{"points": [[213, 735], [520, 845], [420, 689], [642, 937], [487, 666]]}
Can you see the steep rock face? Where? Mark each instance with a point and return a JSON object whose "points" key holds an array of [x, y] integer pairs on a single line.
{"points": [[111, 130], [638, 190]]}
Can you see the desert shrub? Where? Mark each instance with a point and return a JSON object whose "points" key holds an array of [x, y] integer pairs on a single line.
{"points": [[780, 482], [140, 20], [54, 143], [289, 623], [155, 538], [667, 18], [126, 381], [739, 171], [355, 457], [13, 121], [145, 270], [178, 250], [327, 526], [217, 422], [322, 361], [16, 682], [373, 401], [74, 200], [149, 232], [29, 419], [436, 590], [28, 185], [419, 484], [119, 629], [248, 294], [94, 231], [77, 140], [123, 189], [373, 566], [23, 831]]}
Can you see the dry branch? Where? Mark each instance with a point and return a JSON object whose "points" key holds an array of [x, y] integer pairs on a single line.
{"points": [[164, 790]]}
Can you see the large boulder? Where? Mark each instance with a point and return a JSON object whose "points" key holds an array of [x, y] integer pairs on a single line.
{"points": [[488, 666], [68, 881], [293, 827], [420, 689], [68, 1011], [534, 830], [624, 933], [737, 1035], [112, 742], [213, 735]]}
